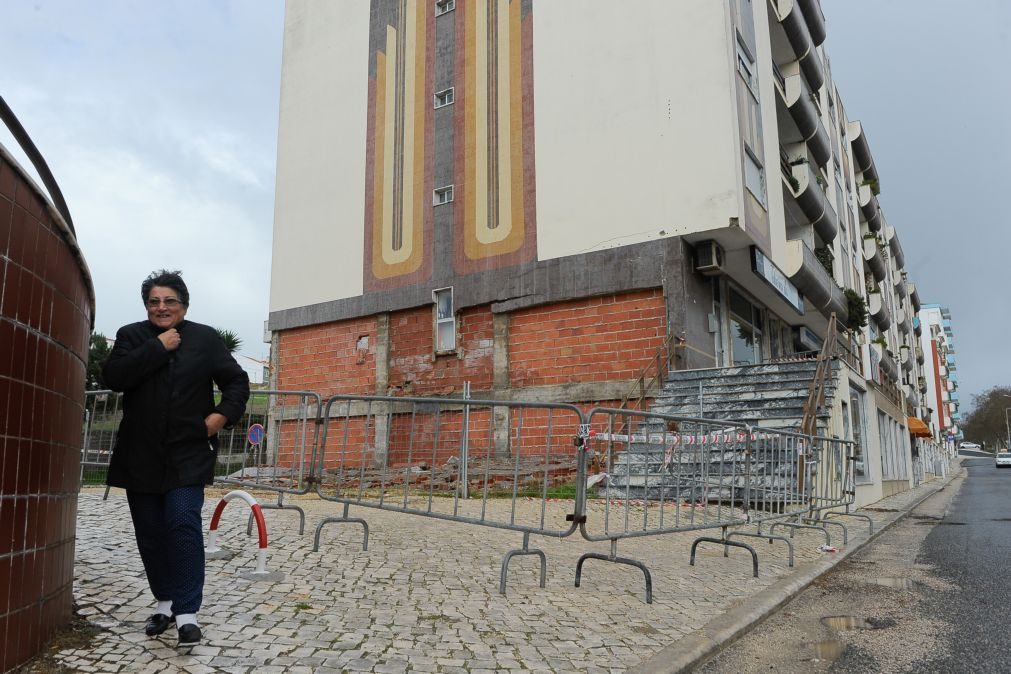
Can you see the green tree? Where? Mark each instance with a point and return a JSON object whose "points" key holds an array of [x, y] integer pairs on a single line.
{"points": [[232, 341], [98, 353], [987, 421]]}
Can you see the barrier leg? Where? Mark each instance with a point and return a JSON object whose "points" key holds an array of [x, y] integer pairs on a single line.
{"points": [[824, 522], [770, 537], [725, 542], [344, 519], [524, 551], [867, 519], [794, 526], [614, 559]]}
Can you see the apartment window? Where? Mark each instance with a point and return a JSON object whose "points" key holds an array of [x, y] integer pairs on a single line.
{"points": [[443, 98], [860, 467], [445, 320], [746, 66], [754, 175], [442, 195], [444, 6]]}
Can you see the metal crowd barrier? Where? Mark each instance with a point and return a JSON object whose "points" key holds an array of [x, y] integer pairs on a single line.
{"points": [[532, 468], [492, 463], [272, 447], [834, 485], [102, 414]]}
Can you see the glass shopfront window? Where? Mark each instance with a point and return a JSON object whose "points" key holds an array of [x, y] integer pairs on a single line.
{"points": [[745, 330]]}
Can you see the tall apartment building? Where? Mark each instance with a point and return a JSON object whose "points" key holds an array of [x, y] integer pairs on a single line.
{"points": [[533, 195], [941, 373]]}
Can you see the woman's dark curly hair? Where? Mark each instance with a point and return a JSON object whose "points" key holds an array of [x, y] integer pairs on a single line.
{"points": [[166, 279]]}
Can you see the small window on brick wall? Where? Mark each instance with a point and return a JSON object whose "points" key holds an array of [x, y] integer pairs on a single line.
{"points": [[445, 320], [444, 6]]}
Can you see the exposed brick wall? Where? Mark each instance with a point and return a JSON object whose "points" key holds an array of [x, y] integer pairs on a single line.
{"points": [[45, 322], [327, 359], [593, 339], [414, 372]]}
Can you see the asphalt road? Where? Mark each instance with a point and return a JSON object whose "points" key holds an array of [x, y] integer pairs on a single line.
{"points": [[932, 594], [971, 548]]}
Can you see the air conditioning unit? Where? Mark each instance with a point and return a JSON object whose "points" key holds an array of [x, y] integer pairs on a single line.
{"points": [[709, 258]]}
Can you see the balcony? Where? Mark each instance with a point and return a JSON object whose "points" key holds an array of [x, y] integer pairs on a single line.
{"points": [[906, 359], [878, 311], [886, 363], [912, 399], [895, 246], [814, 203], [806, 121], [919, 355], [862, 155], [922, 384], [815, 20], [798, 34], [806, 272], [874, 260], [870, 210], [900, 285], [917, 326], [914, 297], [901, 322]]}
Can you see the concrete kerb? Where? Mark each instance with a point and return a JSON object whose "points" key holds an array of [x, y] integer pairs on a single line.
{"points": [[704, 644]]}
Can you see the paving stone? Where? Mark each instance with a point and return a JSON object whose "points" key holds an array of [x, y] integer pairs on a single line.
{"points": [[424, 596]]}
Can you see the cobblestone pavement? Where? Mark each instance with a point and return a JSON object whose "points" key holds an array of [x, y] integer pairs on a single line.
{"points": [[424, 596]]}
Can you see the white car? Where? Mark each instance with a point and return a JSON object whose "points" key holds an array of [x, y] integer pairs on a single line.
{"points": [[968, 445], [1002, 459]]}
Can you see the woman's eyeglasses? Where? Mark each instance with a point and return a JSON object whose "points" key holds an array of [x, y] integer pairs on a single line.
{"points": [[169, 302]]}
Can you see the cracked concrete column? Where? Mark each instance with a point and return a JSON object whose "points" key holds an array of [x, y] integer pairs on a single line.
{"points": [[500, 382], [380, 411]]}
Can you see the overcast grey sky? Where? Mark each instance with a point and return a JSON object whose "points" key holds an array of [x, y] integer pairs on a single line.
{"points": [[927, 79], [159, 120]]}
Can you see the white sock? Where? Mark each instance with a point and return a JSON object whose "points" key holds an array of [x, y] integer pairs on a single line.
{"points": [[186, 619], [164, 607]]}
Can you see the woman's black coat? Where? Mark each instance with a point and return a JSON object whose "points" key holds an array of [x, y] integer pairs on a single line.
{"points": [[162, 442]]}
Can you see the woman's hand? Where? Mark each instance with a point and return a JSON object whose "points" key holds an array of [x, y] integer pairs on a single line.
{"points": [[215, 422]]}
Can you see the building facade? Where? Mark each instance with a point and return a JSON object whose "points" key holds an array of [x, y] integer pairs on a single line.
{"points": [[533, 196]]}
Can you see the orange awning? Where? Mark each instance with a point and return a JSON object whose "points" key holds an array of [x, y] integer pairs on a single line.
{"points": [[918, 429]]}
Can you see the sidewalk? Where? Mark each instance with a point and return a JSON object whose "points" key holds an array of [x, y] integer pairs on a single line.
{"points": [[424, 596]]}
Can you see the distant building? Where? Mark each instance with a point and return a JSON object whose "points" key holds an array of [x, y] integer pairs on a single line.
{"points": [[533, 196], [941, 372]]}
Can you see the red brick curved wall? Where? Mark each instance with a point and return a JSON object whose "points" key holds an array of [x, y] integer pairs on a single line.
{"points": [[46, 307]]}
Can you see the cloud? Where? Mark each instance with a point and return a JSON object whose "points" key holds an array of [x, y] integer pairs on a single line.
{"points": [[159, 121]]}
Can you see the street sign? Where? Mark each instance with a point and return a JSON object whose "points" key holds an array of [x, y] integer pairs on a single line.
{"points": [[255, 434]]}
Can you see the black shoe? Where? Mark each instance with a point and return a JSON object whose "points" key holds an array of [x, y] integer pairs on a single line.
{"points": [[189, 636], [156, 624]]}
